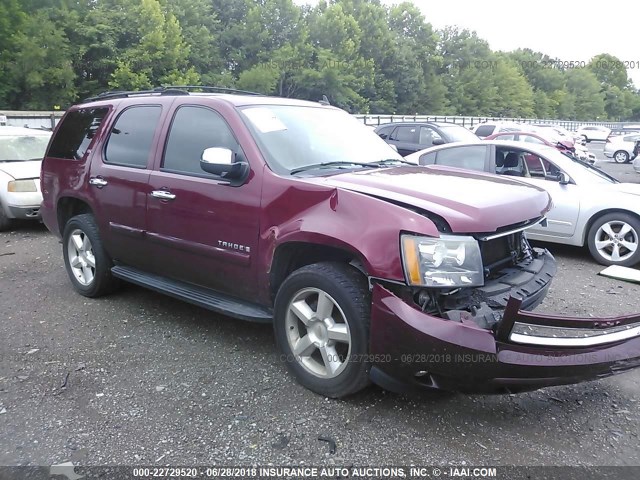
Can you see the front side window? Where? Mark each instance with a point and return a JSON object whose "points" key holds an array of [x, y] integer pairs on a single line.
{"points": [[384, 132], [406, 134], [427, 136], [130, 139], [471, 158], [193, 130], [76, 132]]}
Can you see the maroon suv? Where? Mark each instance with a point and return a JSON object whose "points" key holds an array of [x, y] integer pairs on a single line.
{"points": [[275, 210]]}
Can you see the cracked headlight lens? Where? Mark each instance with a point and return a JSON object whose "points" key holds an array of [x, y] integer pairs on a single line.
{"points": [[446, 261]]}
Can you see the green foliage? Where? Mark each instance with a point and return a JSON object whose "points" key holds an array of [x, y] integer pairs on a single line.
{"points": [[366, 56]]}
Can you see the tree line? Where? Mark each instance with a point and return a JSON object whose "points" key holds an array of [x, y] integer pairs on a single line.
{"points": [[365, 56]]}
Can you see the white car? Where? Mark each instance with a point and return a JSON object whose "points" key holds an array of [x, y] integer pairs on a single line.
{"points": [[489, 128], [620, 147], [594, 132], [590, 207], [21, 153]]}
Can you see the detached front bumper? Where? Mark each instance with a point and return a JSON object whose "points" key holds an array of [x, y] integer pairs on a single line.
{"points": [[526, 351]]}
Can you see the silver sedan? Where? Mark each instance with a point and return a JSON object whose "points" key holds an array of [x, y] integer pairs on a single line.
{"points": [[590, 207]]}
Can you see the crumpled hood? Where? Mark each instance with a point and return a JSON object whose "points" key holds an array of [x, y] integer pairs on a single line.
{"points": [[471, 202], [20, 170]]}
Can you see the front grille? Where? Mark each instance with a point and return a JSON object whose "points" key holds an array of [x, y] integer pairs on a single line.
{"points": [[501, 251]]}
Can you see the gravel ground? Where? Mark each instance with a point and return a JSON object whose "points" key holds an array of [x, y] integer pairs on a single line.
{"points": [[139, 378]]}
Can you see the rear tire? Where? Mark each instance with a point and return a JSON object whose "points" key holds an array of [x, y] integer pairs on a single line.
{"points": [[321, 325], [621, 156], [86, 260], [614, 239]]}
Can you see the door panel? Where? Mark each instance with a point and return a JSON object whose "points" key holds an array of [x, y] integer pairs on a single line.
{"points": [[200, 229], [119, 184], [563, 217]]}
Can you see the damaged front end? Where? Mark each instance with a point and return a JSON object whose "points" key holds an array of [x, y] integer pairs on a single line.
{"points": [[484, 338]]}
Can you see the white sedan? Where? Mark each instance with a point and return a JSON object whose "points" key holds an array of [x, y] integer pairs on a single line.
{"points": [[620, 147], [590, 207], [21, 153], [594, 132]]}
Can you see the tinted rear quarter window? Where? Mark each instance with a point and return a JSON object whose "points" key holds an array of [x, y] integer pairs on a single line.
{"points": [[131, 137], [76, 132]]}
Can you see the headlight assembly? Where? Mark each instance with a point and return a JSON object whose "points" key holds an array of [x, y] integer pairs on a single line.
{"points": [[22, 186], [446, 261]]}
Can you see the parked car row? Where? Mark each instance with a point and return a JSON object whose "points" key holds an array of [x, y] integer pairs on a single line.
{"points": [[591, 208]]}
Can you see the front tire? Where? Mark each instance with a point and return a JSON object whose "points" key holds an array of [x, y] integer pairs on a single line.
{"points": [[5, 222], [86, 261], [621, 156], [614, 240], [321, 325]]}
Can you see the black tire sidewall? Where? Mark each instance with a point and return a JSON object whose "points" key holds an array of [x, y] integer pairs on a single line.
{"points": [[624, 217], [357, 311], [103, 282], [5, 222]]}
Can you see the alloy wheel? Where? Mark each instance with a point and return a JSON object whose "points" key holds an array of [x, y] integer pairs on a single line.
{"points": [[318, 333], [616, 241], [81, 257]]}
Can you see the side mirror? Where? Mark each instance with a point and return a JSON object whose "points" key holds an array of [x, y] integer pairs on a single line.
{"points": [[221, 162], [438, 141], [393, 146]]}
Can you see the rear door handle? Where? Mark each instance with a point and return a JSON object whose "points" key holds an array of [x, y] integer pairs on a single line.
{"points": [[163, 194], [98, 182]]}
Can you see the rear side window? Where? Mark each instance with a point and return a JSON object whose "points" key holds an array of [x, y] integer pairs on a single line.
{"points": [[485, 130], [131, 137], [471, 158], [75, 133], [193, 130]]}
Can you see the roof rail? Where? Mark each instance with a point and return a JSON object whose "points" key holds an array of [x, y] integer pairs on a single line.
{"points": [[206, 88], [166, 90], [136, 93]]}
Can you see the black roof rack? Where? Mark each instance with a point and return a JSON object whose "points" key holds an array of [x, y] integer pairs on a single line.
{"points": [[206, 88], [166, 90]]}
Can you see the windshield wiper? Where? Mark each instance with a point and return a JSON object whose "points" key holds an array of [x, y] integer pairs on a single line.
{"points": [[390, 161], [317, 166]]}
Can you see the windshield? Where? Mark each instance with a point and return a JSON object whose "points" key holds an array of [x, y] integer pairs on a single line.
{"points": [[457, 133], [294, 137], [21, 148]]}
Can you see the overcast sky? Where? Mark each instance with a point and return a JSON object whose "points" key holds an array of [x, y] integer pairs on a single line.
{"points": [[566, 29]]}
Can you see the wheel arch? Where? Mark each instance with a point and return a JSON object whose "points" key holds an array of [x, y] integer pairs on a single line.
{"points": [[602, 213], [69, 207], [292, 255]]}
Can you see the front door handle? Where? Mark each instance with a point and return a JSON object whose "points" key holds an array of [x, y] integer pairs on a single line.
{"points": [[163, 195], [98, 182]]}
